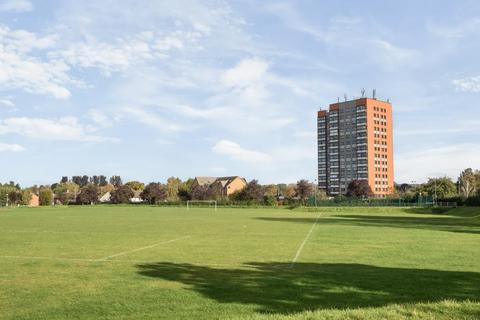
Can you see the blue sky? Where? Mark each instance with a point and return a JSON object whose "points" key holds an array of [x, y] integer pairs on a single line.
{"points": [[154, 89]]}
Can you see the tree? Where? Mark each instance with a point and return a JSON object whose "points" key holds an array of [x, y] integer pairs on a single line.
{"points": [[477, 181], [321, 194], [116, 181], [122, 194], [65, 192], [103, 181], [290, 191], [467, 183], [270, 201], [5, 189], [253, 192], [442, 188], [88, 194], [359, 188], [64, 179], [14, 197], [26, 197], [173, 186], [95, 180], [154, 193], [201, 193], [45, 197], [106, 188], [304, 190], [135, 185], [185, 189], [84, 181], [270, 190], [77, 180]]}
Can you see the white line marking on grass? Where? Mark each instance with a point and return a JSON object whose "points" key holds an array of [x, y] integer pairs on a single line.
{"points": [[297, 254], [140, 249], [218, 265], [49, 258]]}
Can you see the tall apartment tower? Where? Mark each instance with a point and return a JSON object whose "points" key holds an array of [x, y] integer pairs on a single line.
{"points": [[355, 142]]}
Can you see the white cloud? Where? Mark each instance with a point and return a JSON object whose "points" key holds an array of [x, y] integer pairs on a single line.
{"points": [[418, 165], [392, 55], [469, 84], [248, 80], [20, 70], [7, 103], [5, 147], [100, 118], [234, 151], [105, 56], [66, 129], [246, 73], [169, 43], [346, 32], [16, 5], [152, 120], [209, 113]]}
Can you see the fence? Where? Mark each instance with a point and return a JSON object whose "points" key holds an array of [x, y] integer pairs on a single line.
{"points": [[345, 202]]}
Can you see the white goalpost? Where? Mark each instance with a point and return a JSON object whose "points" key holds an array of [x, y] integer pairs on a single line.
{"points": [[210, 202]]}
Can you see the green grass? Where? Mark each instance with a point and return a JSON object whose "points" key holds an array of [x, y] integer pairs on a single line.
{"points": [[170, 263]]}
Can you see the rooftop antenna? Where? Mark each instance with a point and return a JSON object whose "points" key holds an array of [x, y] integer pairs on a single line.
{"points": [[345, 96], [363, 92], [374, 93]]}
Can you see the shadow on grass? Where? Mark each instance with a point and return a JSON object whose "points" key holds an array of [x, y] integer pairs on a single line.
{"points": [[275, 288], [443, 223]]}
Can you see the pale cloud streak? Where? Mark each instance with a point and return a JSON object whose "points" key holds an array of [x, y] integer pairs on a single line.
{"points": [[5, 147], [61, 129], [235, 152], [16, 6], [7, 103], [346, 32], [469, 84], [447, 160], [152, 120]]}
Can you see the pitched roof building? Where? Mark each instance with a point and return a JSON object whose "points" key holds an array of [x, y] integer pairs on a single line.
{"points": [[226, 185]]}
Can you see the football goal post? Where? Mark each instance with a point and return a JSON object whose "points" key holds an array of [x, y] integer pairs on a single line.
{"points": [[202, 203]]}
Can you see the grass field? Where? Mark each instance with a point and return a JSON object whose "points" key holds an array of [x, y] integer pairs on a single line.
{"points": [[169, 263]]}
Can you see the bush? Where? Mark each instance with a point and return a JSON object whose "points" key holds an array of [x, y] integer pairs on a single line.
{"points": [[154, 193], [473, 201], [122, 194], [270, 201], [88, 194], [45, 197]]}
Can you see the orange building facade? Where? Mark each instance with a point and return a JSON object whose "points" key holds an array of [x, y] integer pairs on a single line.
{"points": [[355, 142]]}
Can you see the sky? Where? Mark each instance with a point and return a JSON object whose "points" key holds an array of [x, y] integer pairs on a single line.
{"points": [[153, 89]]}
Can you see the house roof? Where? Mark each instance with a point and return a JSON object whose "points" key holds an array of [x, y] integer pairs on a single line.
{"points": [[227, 180], [105, 197], [137, 193], [224, 181], [202, 181]]}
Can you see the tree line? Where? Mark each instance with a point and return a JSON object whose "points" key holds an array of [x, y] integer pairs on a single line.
{"points": [[466, 190], [88, 190]]}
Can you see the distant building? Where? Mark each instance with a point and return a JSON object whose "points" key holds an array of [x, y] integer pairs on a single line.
{"points": [[34, 200], [105, 198], [355, 142], [225, 185], [136, 197]]}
